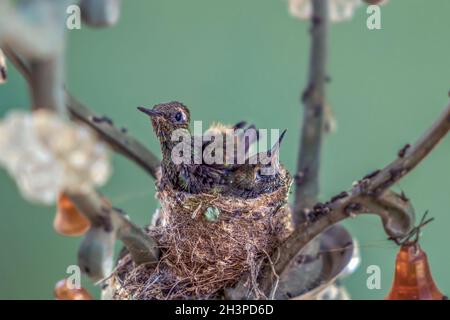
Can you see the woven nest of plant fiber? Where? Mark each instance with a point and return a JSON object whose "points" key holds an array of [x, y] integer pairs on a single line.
{"points": [[200, 257]]}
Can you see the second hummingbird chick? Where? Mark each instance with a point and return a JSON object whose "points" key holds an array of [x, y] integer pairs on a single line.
{"points": [[261, 173]]}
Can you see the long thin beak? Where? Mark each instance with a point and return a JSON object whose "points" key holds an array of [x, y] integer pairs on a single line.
{"points": [[150, 112], [275, 151]]}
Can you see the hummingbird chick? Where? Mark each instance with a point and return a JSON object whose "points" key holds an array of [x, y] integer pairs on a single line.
{"points": [[225, 177], [261, 173]]}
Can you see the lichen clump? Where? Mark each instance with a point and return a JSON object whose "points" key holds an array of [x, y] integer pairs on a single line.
{"points": [[201, 256]]}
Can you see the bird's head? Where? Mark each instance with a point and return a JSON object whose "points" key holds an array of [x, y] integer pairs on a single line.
{"points": [[262, 172], [168, 117]]}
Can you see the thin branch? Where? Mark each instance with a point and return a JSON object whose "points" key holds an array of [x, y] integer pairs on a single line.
{"points": [[308, 163], [370, 195], [46, 84], [34, 28], [118, 139], [18, 62]]}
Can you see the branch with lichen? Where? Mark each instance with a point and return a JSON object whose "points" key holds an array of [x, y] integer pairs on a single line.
{"points": [[313, 97], [369, 195]]}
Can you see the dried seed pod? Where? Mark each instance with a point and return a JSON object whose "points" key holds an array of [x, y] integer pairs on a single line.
{"points": [[69, 221], [100, 13], [95, 256], [64, 291], [413, 279]]}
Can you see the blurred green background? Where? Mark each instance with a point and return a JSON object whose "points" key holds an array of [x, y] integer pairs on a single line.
{"points": [[234, 60]]}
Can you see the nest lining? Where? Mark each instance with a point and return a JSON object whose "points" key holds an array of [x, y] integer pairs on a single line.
{"points": [[200, 257]]}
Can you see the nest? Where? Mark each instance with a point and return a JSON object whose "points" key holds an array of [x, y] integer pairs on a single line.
{"points": [[207, 242]]}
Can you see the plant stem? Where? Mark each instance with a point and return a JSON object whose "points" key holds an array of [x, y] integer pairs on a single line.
{"points": [[308, 163]]}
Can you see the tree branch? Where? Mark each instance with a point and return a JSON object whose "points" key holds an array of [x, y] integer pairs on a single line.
{"points": [[119, 140], [369, 195], [308, 163], [410, 156], [112, 221]]}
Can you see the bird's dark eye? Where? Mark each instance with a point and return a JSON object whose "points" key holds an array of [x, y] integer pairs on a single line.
{"points": [[259, 174], [179, 116]]}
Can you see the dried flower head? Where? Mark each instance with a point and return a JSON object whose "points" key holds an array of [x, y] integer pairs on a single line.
{"points": [[47, 155], [64, 290]]}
